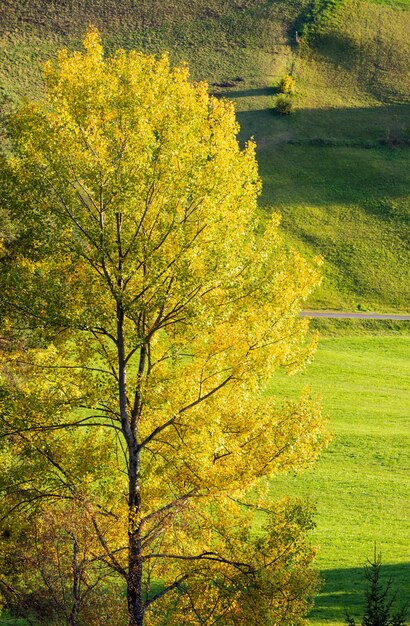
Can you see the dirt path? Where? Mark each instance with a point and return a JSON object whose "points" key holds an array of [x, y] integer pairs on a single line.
{"points": [[353, 315]]}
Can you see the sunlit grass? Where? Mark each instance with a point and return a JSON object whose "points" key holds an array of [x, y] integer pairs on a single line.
{"points": [[350, 205], [403, 4], [360, 485]]}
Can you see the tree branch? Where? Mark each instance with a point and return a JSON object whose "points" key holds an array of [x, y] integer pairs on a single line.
{"points": [[166, 590], [245, 568]]}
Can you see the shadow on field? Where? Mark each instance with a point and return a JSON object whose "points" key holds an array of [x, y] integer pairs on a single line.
{"points": [[249, 93], [358, 126], [343, 591], [384, 74], [333, 156]]}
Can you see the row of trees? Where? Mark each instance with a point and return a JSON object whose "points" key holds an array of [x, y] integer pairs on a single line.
{"points": [[144, 308]]}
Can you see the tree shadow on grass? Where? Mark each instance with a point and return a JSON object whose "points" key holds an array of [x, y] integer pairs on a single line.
{"points": [[360, 126], [340, 156], [343, 591], [249, 93]]}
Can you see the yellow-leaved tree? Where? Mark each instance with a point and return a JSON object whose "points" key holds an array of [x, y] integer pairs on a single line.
{"points": [[144, 309]]}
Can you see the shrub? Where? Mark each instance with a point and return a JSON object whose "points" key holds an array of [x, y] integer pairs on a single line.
{"points": [[287, 84], [284, 104]]}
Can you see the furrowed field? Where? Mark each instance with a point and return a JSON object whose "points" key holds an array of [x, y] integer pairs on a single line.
{"points": [[338, 171]]}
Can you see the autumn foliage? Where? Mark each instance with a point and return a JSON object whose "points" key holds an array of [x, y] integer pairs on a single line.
{"points": [[144, 309]]}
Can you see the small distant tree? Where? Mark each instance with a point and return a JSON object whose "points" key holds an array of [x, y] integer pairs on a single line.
{"points": [[379, 599], [287, 84]]}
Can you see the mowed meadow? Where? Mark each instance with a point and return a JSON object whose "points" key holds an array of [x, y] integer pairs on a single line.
{"points": [[360, 485], [338, 171]]}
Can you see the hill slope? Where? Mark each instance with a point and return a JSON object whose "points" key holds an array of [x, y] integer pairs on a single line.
{"points": [[338, 169], [221, 40]]}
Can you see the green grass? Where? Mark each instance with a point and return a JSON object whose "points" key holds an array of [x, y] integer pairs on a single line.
{"points": [[360, 484], [340, 202], [220, 40], [338, 168], [359, 327]]}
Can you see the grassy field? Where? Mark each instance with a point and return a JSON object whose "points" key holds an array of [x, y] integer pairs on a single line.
{"points": [[403, 4], [222, 41], [361, 484], [338, 167]]}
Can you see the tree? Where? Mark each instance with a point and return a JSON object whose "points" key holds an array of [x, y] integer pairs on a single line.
{"points": [[379, 600], [145, 307]]}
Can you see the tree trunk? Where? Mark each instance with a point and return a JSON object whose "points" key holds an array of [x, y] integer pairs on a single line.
{"points": [[72, 619], [134, 589], [134, 585], [134, 582]]}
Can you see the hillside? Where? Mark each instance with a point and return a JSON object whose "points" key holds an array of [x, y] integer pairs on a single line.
{"points": [[337, 169], [220, 40]]}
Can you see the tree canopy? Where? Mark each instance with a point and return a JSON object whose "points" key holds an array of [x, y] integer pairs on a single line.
{"points": [[145, 305]]}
